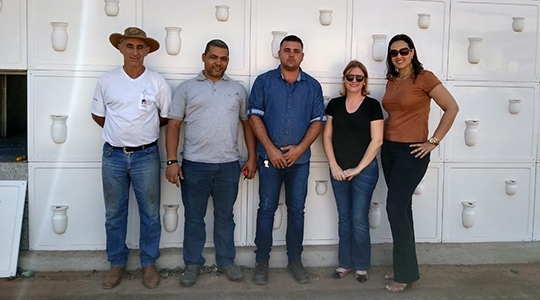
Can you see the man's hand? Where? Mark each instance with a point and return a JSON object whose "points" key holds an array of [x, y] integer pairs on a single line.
{"points": [[174, 174]]}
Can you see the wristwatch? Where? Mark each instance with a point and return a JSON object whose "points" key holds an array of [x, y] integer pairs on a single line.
{"points": [[434, 141], [172, 161]]}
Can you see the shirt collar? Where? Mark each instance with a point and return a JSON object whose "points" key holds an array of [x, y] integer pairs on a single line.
{"points": [[301, 74], [201, 77]]}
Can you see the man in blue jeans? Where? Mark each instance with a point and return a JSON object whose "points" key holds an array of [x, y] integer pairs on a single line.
{"points": [[211, 105], [131, 103], [286, 112]]}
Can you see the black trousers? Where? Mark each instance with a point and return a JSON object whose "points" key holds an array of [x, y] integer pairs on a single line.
{"points": [[402, 173]]}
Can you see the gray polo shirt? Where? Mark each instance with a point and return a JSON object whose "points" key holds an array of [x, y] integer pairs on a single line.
{"points": [[211, 112]]}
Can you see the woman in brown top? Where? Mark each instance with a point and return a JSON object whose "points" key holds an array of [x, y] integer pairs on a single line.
{"points": [[406, 148]]}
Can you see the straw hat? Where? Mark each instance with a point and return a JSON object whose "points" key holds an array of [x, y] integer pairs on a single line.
{"points": [[134, 32]]}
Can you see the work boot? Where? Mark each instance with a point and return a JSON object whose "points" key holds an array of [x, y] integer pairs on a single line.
{"points": [[233, 272], [298, 272], [150, 277], [113, 277], [260, 274], [189, 277]]}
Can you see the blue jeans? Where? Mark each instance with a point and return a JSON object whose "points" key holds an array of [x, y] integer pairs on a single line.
{"points": [[140, 169], [270, 181], [353, 199], [202, 180], [402, 172]]}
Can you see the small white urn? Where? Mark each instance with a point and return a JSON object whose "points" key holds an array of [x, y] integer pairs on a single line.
{"points": [[514, 106], [170, 217], [59, 218], [173, 41], [378, 49], [468, 214], [277, 37], [222, 13], [471, 132], [511, 187], [474, 51], [59, 36], [321, 186], [111, 8], [325, 17], [518, 24], [419, 190], [374, 214], [59, 128], [424, 20], [278, 217]]}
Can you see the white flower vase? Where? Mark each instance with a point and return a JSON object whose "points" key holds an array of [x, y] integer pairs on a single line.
{"points": [[419, 190], [59, 218], [378, 49], [59, 36], [474, 51], [173, 41], [471, 132], [374, 214], [222, 13], [278, 36], [325, 17], [278, 217], [111, 8], [468, 214], [170, 217], [511, 187], [59, 128], [424, 20], [518, 24], [514, 106], [321, 187]]}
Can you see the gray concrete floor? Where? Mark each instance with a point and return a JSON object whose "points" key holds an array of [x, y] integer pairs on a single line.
{"points": [[494, 281]]}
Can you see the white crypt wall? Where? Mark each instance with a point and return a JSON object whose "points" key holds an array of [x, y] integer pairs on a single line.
{"points": [[485, 52]]}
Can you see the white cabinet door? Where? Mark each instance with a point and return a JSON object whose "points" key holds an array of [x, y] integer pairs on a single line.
{"points": [[13, 35]]}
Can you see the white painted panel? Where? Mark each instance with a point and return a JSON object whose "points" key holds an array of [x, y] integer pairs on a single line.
{"points": [[499, 216], [13, 41], [77, 185], [377, 18], [63, 93], [11, 216], [506, 55], [502, 136], [199, 26], [536, 228], [88, 46], [427, 208], [326, 48]]}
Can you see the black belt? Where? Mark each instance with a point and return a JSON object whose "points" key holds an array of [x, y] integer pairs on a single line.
{"points": [[133, 149]]}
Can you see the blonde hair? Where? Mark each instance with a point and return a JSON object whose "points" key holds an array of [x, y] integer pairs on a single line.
{"points": [[355, 64]]}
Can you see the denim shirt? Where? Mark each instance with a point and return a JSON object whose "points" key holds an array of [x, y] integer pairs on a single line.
{"points": [[287, 110]]}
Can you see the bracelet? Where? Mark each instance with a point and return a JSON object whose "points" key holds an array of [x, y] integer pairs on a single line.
{"points": [[172, 161]]}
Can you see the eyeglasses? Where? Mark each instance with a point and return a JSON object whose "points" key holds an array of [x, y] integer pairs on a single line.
{"points": [[402, 51], [350, 78]]}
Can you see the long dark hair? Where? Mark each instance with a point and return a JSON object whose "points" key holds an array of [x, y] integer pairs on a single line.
{"points": [[391, 70]]}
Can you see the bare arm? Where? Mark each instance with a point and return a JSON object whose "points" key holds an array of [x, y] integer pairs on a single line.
{"points": [[328, 130], [295, 151], [163, 121], [251, 165], [274, 154], [99, 120], [173, 172]]}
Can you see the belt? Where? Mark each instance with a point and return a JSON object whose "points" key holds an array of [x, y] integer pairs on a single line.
{"points": [[128, 150]]}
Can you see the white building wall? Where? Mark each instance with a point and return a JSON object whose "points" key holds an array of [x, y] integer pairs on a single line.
{"points": [[61, 82]]}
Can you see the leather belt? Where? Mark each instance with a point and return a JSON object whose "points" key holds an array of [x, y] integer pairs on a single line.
{"points": [[128, 150]]}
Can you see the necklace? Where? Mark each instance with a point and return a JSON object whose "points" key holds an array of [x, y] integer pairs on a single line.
{"points": [[400, 82]]}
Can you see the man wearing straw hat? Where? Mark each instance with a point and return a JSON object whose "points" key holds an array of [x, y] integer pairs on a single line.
{"points": [[131, 103]]}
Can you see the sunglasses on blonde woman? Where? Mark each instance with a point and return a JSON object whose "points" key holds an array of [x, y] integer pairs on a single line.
{"points": [[350, 78], [402, 51]]}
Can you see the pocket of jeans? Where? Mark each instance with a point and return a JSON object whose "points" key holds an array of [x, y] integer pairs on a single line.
{"points": [[107, 150]]}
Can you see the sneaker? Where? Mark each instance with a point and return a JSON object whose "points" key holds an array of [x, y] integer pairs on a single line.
{"points": [[298, 272], [233, 272], [189, 277], [260, 274]]}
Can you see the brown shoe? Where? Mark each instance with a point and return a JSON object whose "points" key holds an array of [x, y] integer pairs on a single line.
{"points": [[150, 277], [113, 277]]}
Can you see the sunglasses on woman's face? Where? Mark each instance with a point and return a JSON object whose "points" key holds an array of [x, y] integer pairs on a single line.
{"points": [[350, 78], [402, 51]]}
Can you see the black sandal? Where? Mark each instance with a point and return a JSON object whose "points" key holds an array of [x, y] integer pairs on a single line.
{"points": [[340, 273], [361, 277]]}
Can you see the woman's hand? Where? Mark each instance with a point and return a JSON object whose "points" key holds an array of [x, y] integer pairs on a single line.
{"points": [[337, 173], [422, 149]]}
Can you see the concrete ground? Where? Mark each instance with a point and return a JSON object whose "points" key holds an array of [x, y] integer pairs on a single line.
{"points": [[493, 281]]}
